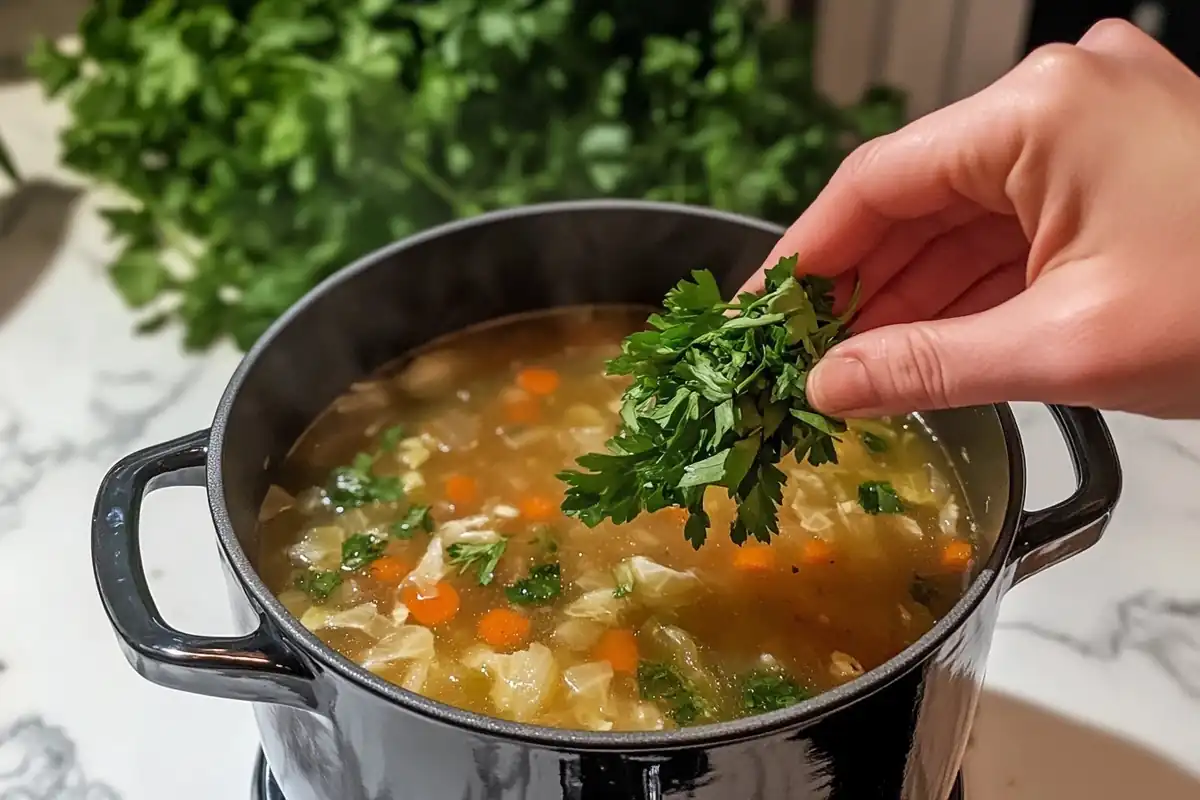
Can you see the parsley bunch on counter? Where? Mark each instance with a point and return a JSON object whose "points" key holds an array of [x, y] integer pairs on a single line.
{"points": [[255, 147], [717, 399]]}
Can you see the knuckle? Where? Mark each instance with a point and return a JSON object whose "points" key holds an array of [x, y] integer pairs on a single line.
{"points": [[916, 370], [1115, 36], [862, 158], [1055, 80]]}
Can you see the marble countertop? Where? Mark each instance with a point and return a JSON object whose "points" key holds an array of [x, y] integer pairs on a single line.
{"points": [[1094, 679]]}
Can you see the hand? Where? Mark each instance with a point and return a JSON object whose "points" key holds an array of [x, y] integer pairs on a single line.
{"points": [[1037, 241]]}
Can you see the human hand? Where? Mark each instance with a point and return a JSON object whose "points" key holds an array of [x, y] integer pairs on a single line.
{"points": [[1037, 241]]}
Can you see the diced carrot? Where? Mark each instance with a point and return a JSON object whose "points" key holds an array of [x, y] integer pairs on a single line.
{"points": [[619, 648], [816, 551], [754, 558], [538, 508], [539, 381], [461, 490], [522, 410], [390, 569], [957, 555], [504, 628], [434, 607]]}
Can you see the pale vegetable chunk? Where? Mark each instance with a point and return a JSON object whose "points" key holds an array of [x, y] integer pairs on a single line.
{"points": [[363, 617], [419, 530]]}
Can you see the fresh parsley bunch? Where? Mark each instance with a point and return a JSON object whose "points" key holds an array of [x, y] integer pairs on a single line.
{"points": [[257, 146], [717, 399]]}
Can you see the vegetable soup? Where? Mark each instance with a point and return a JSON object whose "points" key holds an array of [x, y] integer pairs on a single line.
{"points": [[417, 530]]}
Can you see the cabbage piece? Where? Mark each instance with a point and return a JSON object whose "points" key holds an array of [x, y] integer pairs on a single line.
{"points": [[595, 579], [578, 635], [661, 587], [413, 452], [588, 688], [843, 667], [364, 617], [643, 715], [906, 526], [319, 548], [468, 530], [948, 517], [416, 675], [522, 682], [405, 643], [598, 605], [412, 480], [502, 511], [431, 568], [399, 613], [679, 648], [276, 501]]}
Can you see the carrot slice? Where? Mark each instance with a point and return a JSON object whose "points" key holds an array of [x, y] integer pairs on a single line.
{"points": [[538, 508], [754, 558], [619, 648], [539, 381], [461, 490], [390, 569], [504, 627], [816, 551], [523, 409], [434, 607], [957, 555]]}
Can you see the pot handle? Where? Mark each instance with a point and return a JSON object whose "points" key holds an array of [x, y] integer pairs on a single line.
{"points": [[1053, 534], [255, 667]]}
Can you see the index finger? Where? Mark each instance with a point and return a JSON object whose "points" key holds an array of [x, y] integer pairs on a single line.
{"points": [[959, 155]]}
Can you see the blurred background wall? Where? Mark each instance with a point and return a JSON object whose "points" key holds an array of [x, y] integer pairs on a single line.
{"points": [[942, 50]]}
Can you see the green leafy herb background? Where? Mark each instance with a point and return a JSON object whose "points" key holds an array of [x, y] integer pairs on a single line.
{"points": [[263, 144]]}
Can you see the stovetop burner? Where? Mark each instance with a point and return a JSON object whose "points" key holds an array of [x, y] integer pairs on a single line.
{"points": [[264, 787]]}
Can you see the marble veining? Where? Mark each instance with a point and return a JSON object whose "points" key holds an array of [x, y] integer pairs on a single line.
{"points": [[38, 762], [121, 407], [78, 390], [1165, 629]]}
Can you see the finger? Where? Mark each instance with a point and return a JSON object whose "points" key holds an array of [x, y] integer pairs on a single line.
{"points": [[998, 286], [1001, 354], [944, 270]]}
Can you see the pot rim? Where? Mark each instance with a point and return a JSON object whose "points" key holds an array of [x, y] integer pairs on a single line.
{"points": [[299, 638]]}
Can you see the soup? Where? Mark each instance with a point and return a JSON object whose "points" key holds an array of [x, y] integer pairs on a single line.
{"points": [[416, 530]]}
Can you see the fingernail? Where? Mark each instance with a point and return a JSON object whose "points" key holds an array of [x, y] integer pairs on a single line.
{"points": [[840, 385]]}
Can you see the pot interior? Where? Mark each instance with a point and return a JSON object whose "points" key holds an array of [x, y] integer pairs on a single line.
{"points": [[400, 299]]}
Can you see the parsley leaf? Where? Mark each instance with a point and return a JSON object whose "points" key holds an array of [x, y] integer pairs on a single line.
{"points": [[358, 485], [879, 497], [873, 442], [390, 438], [484, 557], [764, 691], [543, 584], [361, 549], [662, 682], [418, 518], [318, 583], [717, 399]]}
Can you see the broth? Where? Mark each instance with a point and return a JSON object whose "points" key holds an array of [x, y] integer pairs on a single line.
{"points": [[416, 529]]}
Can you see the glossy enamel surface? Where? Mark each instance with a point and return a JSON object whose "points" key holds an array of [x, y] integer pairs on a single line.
{"points": [[332, 730]]}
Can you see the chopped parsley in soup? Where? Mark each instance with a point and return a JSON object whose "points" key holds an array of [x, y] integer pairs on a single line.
{"points": [[418, 531]]}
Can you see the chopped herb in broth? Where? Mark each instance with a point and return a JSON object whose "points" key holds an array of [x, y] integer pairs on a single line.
{"points": [[879, 497], [418, 531]]}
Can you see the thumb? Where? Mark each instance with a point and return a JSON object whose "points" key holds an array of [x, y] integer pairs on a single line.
{"points": [[1024, 349]]}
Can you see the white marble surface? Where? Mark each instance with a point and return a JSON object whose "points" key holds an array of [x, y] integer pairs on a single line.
{"points": [[1094, 678]]}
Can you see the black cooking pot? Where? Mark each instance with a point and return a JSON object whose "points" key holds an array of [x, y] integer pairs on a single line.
{"points": [[333, 731]]}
